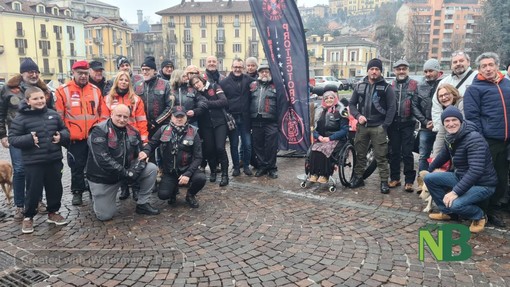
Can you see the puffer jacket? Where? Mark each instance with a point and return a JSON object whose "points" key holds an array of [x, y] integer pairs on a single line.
{"points": [[156, 95], [111, 150], [471, 159], [422, 102], [487, 105], [405, 92], [374, 101], [10, 100], [45, 123], [181, 152], [185, 96]]}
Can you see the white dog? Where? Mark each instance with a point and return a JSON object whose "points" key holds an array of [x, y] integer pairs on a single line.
{"points": [[425, 195]]}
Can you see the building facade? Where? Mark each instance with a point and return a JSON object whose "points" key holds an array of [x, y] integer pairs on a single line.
{"points": [[347, 56], [355, 7], [148, 44], [192, 31], [86, 8], [436, 28], [106, 40], [49, 34]]}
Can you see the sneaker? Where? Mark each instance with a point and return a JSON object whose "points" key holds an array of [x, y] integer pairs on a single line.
{"points": [[41, 208], [56, 218], [322, 179], [439, 216], [247, 171], [18, 213], [313, 178], [27, 226], [192, 201], [478, 225], [77, 198], [394, 183], [408, 187], [385, 189]]}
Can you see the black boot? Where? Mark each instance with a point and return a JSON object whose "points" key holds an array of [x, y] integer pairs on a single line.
{"points": [[224, 180], [124, 191], [146, 208], [135, 194], [212, 177], [385, 189], [356, 182], [192, 200]]}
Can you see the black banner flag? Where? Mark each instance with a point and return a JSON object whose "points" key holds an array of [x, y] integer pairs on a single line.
{"points": [[283, 37]]}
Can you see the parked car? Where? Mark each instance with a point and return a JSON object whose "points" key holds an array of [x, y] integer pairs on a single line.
{"points": [[322, 81], [389, 80], [345, 83]]}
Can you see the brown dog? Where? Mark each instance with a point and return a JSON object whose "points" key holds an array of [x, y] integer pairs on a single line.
{"points": [[6, 179]]}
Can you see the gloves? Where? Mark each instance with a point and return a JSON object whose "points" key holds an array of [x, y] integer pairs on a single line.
{"points": [[135, 169], [202, 105]]}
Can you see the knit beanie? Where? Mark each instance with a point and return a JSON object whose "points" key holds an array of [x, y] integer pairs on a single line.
{"points": [[149, 62], [167, 63], [122, 60], [452, 111], [374, 63], [28, 65], [432, 64]]}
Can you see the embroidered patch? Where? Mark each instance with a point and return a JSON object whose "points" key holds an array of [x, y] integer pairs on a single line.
{"points": [[99, 140]]}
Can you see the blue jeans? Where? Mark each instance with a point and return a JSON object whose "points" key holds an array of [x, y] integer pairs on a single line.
{"points": [[465, 206], [427, 138], [18, 178], [243, 130]]}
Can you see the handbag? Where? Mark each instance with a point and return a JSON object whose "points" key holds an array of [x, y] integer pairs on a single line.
{"points": [[231, 122]]}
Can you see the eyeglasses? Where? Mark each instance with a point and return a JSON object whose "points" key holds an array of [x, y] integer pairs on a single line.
{"points": [[237, 67], [401, 69], [443, 95], [458, 53]]}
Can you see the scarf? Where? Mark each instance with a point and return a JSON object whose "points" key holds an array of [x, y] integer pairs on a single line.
{"points": [[121, 92], [177, 135]]}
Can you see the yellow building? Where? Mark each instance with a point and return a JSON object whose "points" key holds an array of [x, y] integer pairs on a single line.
{"points": [[48, 34], [106, 40], [194, 30], [355, 7], [347, 56]]}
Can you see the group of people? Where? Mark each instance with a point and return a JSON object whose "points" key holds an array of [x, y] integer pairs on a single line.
{"points": [[118, 132]]}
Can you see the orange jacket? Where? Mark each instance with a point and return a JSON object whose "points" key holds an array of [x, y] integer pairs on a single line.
{"points": [[138, 119], [78, 107]]}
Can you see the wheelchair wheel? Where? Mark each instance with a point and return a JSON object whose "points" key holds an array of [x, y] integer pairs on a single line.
{"points": [[371, 162], [346, 164]]}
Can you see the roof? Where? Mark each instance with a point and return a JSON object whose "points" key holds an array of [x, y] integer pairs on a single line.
{"points": [[348, 41], [30, 8], [105, 21], [99, 3], [214, 7]]}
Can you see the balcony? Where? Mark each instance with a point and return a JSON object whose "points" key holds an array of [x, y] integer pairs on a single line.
{"points": [[59, 36], [447, 31], [447, 40], [187, 40], [449, 12], [48, 71], [254, 53], [220, 39], [20, 33], [73, 53], [253, 40], [220, 24], [448, 21], [188, 55], [98, 40], [220, 54], [172, 39], [471, 21], [22, 51], [44, 35], [117, 41]]}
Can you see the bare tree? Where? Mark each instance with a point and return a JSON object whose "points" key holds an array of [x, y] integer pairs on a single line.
{"points": [[417, 37]]}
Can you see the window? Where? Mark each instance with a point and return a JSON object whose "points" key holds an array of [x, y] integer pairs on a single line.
{"points": [[457, 27], [436, 32], [44, 34], [353, 56], [220, 48], [187, 35], [236, 33], [171, 22], [203, 33], [202, 21], [437, 22], [59, 49], [60, 66], [20, 43], [55, 11], [202, 63], [16, 6], [203, 48], [220, 20], [236, 21], [19, 30], [237, 48], [187, 22], [254, 34], [70, 31], [171, 50], [220, 35], [58, 32], [437, 13], [434, 50], [41, 9], [46, 66], [435, 41]]}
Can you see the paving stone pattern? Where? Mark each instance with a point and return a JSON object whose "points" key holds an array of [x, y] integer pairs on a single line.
{"points": [[255, 232]]}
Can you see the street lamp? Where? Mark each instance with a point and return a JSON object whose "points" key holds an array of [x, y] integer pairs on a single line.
{"points": [[391, 61]]}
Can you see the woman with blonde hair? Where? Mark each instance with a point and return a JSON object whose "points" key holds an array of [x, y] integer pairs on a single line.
{"points": [[447, 95]]}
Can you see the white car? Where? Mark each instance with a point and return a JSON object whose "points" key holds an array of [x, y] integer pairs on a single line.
{"points": [[322, 81]]}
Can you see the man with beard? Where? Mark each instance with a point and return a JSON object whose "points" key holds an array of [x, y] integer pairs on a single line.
{"points": [[78, 104], [123, 64], [211, 70], [96, 77], [167, 67], [373, 105], [401, 130], [486, 104], [236, 87], [264, 111], [11, 95], [422, 110]]}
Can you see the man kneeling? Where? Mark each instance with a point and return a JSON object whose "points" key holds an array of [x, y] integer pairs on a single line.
{"points": [[474, 178], [115, 156], [181, 151]]}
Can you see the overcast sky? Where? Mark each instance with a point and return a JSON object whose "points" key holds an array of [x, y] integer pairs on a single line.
{"points": [[128, 8]]}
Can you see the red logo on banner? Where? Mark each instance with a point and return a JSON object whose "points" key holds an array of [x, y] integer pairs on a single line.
{"points": [[293, 127], [273, 9]]}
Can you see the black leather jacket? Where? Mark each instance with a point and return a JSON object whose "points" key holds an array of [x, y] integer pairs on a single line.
{"points": [[111, 150], [264, 101], [405, 92], [422, 102]]}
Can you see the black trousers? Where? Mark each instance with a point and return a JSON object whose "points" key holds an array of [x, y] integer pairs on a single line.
{"points": [[401, 144], [265, 144], [214, 139], [170, 184], [47, 176], [77, 153]]}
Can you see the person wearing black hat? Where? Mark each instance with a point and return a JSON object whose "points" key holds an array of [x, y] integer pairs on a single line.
{"points": [[182, 153], [373, 104], [458, 193], [167, 68], [11, 97], [96, 77], [401, 130], [122, 63]]}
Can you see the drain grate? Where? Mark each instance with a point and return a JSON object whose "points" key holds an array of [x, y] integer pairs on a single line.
{"points": [[6, 261], [22, 277]]}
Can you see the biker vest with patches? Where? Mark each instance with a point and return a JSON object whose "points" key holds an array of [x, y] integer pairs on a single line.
{"points": [[177, 150], [404, 94], [372, 101]]}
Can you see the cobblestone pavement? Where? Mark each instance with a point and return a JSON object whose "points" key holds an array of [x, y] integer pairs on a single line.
{"points": [[255, 232]]}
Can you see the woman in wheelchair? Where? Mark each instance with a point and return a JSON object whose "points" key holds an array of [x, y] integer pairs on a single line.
{"points": [[330, 135]]}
